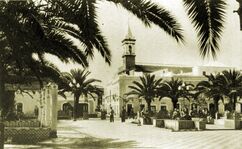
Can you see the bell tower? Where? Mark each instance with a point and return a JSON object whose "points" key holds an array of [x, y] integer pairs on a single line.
{"points": [[129, 52]]}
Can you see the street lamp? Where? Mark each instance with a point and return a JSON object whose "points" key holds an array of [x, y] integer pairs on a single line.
{"points": [[184, 88]]}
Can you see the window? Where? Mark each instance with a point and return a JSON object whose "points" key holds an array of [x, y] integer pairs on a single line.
{"points": [[130, 49], [163, 108]]}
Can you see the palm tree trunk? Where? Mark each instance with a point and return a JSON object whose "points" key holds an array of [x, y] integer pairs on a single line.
{"points": [[216, 106], [174, 101], [76, 101], [234, 103], [149, 106]]}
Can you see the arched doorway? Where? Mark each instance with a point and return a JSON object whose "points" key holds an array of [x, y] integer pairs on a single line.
{"points": [[67, 108], [82, 108]]}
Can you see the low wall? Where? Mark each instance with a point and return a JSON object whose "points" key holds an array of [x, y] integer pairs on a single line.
{"points": [[200, 125], [232, 124], [145, 121], [177, 125], [24, 123], [207, 121], [159, 123], [26, 135]]}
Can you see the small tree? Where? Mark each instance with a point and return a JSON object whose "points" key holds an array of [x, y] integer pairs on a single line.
{"points": [[77, 83], [145, 89]]}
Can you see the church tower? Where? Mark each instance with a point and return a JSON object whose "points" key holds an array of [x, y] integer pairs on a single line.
{"points": [[128, 52]]}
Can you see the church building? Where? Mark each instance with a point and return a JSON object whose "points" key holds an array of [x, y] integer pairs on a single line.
{"points": [[115, 93]]}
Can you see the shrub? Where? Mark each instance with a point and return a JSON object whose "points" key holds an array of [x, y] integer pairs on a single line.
{"points": [[162, 114]]}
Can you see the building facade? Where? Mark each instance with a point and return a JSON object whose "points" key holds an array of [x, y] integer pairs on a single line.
{"points": [[30, 102], [115, 93]]}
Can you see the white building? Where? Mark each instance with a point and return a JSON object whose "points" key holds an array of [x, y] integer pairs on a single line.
{"points": [[30, 100], [115, 94]]}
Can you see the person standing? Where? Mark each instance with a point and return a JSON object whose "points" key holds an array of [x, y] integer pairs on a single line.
{"points": [[112, 115], [123, 115]]}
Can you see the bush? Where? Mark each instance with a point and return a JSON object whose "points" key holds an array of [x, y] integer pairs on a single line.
{"points": [[162, 114]]}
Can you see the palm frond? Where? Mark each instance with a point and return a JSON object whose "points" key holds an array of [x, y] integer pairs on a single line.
{"points": [[150, 12], [83, 14], [208, 18]]}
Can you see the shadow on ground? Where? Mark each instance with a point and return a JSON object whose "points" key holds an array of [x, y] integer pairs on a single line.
{"points": [[86, 142]]}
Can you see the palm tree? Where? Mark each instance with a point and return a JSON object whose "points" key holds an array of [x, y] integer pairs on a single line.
{"points": [[228, 83], [22, 35], [211, 88], [77, 83], [231, 82], [174, 89], [145, 89]]}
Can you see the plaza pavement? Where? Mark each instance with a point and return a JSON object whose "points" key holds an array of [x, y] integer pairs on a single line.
{"points": [[96, 133]]}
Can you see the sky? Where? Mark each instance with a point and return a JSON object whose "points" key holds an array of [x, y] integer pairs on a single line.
{"points": [[153, 45]]}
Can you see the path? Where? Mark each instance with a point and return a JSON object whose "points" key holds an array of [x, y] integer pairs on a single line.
{"points": [[96, 133]]}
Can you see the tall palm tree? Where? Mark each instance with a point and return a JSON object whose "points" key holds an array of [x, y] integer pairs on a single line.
{"points": [[78, 84], [145, 89], [208, 18], [174, 89], [22, 68], [24, 32]]}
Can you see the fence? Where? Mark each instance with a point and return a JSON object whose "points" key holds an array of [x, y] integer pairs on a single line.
{"points": [[24, 123], [26, 135]]}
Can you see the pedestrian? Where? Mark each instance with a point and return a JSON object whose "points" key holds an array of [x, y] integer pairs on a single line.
{"points": [[123, 115], [111, 115]]}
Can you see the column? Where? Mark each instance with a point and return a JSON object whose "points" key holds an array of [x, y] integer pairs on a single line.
{"points": [[53, 106], [43, 117], [47, 106]]}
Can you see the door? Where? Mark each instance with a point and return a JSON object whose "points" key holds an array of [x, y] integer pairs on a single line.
{"points": [[82, 108]]}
